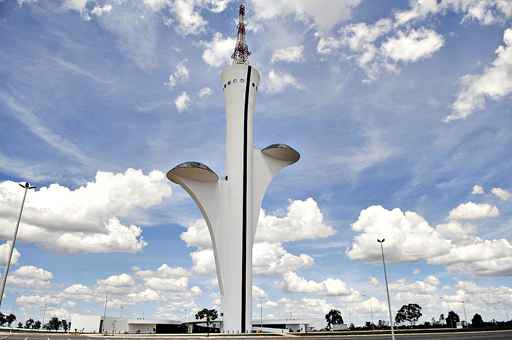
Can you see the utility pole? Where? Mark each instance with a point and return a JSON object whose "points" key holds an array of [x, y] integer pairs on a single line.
{"points": [[261, 315], [25, 186], [105, 314], [387, 288]]}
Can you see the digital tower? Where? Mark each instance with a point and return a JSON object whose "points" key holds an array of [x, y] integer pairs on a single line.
{"points": [[231, 204]]}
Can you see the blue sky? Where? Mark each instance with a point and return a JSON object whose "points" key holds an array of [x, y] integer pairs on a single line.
{"points": [[400, 109]]}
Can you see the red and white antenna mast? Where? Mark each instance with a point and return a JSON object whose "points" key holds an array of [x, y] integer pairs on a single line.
{"points": [[241, 54]]}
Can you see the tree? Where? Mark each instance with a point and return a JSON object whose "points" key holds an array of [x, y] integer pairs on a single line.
{"points": [[37, 325], [3, 320], [65, 325], [333, 318], [54, 324], [410, 313], [10, 319], [29, 323], [441, 319], [208, 314], [20, 325], [477, 321], [452, 319]]}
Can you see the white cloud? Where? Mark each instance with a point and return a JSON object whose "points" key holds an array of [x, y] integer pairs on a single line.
{"points": [[473, 211], [99, 10], [303, 221], [188, 18], [482, 257], [408, 236], [182, 102], [181, 74], [86, 218], [218, 51], [332, 287], [292, 54], [156, 5], [426, 287], [164, 271], [118, 238], [374, 54], [459, 233], [167, 284], [4, 254], [413, 45], [325, 14], [30, 277], [268, 259], [495, 82], [122, 280], [272, 258], [373, 281], [146, 295], [78, 291], [76, 5], [485, 12], [477, 190], [205, 92], [502, 194], [258, 293], [279, 81]]}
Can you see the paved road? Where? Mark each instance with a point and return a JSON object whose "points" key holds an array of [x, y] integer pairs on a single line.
{"points": [[501, 335]]}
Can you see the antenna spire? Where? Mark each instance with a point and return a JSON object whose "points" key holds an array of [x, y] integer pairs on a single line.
{"points": [[241, 54]]}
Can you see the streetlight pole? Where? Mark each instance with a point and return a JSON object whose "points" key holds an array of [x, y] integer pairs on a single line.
{"points": [[25, 186], [387, 288]]}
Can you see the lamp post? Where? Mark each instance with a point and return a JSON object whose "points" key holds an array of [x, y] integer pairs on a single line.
{"points": [[387, 288], [25, 186]]}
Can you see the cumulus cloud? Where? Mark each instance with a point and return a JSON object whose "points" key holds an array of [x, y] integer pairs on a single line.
{"points": [[218, 51], [303, 221], [332, 287], [205, 92], [374, 53], [495, 82], [486, 12], [181, 74], [99, 10], [324, 14], [268, 259], [478, 190], [4, 254], [292, 54], [30, 277], [473, 211], [182, 102], [279, 81], [408, 236], [373, 281], [122, 280], [426, 287], [413, 45], [272, 258], [482, 257], [85, 219], [502, 194], [165, 278]]}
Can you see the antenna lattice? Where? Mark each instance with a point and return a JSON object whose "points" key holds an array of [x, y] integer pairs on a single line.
{"points": [[242, 53]]}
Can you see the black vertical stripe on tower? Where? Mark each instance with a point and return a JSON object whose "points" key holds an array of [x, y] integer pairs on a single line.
{"points": [[244, 204]]}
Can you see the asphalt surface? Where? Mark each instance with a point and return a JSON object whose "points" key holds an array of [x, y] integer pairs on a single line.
{"points": [[498, 335]]}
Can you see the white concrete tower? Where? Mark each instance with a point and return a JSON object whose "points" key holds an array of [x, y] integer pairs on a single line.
{"points": [[230, 205]]}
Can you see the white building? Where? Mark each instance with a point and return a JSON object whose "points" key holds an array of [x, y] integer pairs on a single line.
{"points": [[112, 325]]}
